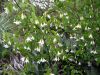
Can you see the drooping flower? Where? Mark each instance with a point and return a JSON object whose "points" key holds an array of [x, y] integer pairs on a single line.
{"points": [[54, 40], [6, 46], [28, 39], [41, 43], [90, 36], [36, 22], [17, 22], [37, 49], [78, 26], [6, 10], [93, 52], [23, 16]]}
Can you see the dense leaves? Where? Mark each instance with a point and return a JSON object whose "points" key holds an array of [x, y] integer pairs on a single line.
{"points": [[64, 40]]}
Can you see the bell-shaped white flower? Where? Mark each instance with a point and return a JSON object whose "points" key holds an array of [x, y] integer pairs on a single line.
{"points": [[17, 22], [41, 43], [23, 16], [6, 46]]}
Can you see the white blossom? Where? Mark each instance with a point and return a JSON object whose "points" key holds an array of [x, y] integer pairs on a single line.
{"points": [[14, 8], [43, 25], [23, 16], [90, 36], [81, 18], [93, 52], [82, 38], [72, 51], [65, 14], [92, 42], [41, 60], [58, 54], [37, 49], [70, 59], [89, 63], [78, 26], [52, 74], [56, 59], [61, 15], [97, 28], [28, 48], [28, 39], [41, 43], [17, 22], [26, 60], [6, 10], [36, 22], [54, 40], [79, 63], [23, 59], [67, 17], [9, 42], [49, 16], [6, 46], [60, 45]]}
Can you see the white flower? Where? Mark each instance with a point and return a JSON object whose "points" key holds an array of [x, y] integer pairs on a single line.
{"points": [[67, 50], [23, 59], [28, 39], [6, 10], [92, 42], [17, 22], [37, 49], [43, 25], [14, 8], [54, 40], [56, 59], [61, 15], [28, 48], [81, 18], [58, 54], [78, 26], [23, 16], [72, 51], [26, 60], [65, 14], [6, 46], [25, 47], [41, 43], [60, 45], [90, 36], [94, 52], [67, 17], [97, 28], [9, 42], [82, 38], [52, 74], [89, 63], [79, 63], [36, 22], [70, 59], [49, 16], [41, 60], [32, 38], [85, 44]]}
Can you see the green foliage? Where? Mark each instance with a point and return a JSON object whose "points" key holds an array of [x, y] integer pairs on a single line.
{"points": [[59, 41]]}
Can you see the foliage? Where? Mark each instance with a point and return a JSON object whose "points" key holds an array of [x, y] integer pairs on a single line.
{"points": [[60, 41]]}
